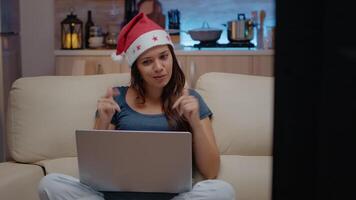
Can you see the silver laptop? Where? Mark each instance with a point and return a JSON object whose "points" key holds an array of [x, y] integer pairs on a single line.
{"points": [[135, 161]]}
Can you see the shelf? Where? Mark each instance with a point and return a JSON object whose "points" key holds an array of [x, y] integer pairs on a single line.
{"points": [[184, 51]]}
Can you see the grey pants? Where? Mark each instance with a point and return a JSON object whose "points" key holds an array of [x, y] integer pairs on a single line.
{"points": [[63, 187]]}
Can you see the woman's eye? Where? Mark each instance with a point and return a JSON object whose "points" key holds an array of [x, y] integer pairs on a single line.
{"points": [[164, 56], [146, 62]]}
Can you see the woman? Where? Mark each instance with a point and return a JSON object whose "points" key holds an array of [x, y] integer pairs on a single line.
{"points": [[158, 99]]}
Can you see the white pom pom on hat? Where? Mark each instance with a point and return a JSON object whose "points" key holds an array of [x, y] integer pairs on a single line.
{"points": [[140, 34], [118, 58]]}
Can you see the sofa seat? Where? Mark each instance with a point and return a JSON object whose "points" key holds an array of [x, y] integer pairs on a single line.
{"points": [[66, 165], [250, 175], [19, 181]]}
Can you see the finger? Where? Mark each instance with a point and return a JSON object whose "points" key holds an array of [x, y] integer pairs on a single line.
{"points": [[99, 107], [187, 101], [108, 107], [105, 109], [109, 92], [180, 111], [112, 106], [178, 102], [117, 107], [112, 103], [185, 92], [189, 110], [189, 107], [106, 101]]}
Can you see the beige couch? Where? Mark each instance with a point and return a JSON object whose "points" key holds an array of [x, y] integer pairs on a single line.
{"points": [[45, 111]]}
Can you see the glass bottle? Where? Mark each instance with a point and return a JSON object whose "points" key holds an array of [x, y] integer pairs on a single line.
{"points": [[89, 23]]}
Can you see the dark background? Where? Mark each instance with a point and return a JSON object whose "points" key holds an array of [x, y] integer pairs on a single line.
{"points": [[314, 116]]}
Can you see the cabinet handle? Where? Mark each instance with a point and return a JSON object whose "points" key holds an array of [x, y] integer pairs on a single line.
{"points": [[192, 74], [99, 69]]}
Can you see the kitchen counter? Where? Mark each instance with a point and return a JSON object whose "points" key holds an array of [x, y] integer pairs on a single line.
{"points": [[180, 52], [194, 62]]}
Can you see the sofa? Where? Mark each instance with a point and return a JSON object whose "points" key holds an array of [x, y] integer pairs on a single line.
{"points": [[45, 111]]}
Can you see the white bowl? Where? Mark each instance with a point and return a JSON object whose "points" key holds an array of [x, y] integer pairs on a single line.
{"points": [[96, 41]]}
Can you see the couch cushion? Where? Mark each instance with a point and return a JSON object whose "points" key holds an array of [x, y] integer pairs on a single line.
{"points": [[242, 107], [68, 165], [251, 176], [19, 181], [44, 113]]}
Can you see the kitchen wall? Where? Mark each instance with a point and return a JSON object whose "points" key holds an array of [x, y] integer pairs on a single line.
{"points": [[37, 37], [10, 63], [193, 13], [40, 22], [2, 111]]}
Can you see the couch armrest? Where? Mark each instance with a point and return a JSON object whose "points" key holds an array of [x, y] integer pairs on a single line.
{"points": [[19, 181]]}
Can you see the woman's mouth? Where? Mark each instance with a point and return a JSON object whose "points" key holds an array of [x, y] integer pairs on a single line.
{"points": [[159, 77]]}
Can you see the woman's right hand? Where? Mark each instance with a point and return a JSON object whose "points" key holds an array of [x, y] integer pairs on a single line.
{"points": [[107, 106]]}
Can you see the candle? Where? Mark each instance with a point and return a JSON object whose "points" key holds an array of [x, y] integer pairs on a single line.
{"points": [[67, 41], [75, 41]]}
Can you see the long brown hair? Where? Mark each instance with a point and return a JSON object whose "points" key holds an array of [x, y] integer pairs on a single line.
{"points": [[171, 92]]}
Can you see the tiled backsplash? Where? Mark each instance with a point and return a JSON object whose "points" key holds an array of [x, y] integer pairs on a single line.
{"points": [[216, 13], [193, 13]]}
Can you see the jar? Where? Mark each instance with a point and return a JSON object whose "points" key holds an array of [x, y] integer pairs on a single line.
{"points": [[111, 40], [95, 31]]}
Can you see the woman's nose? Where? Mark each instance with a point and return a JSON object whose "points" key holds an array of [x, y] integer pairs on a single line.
{"points": [[158, 65]]}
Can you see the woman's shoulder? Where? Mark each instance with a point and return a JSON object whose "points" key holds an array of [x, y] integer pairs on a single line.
{"points": [[121, 88], [193, 92], [203, 107], [120, 93]]}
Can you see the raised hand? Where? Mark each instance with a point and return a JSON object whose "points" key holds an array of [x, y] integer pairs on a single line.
{"points": [[107, 106], [188, 106]]}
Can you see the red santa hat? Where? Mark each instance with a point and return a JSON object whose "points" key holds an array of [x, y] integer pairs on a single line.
{"points": [[140, 34]]}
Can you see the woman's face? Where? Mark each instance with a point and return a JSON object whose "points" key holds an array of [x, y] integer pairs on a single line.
{"points": [[155, 66]]}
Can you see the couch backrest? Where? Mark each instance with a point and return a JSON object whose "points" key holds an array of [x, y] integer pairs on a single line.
{"points": [[44, 113], [242, 107]]}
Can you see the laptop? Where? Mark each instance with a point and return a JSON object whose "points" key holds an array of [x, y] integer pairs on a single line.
{"points": [[135, 161]]}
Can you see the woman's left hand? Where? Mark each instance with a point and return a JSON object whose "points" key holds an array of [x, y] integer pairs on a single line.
{"points": [[188, 105]]}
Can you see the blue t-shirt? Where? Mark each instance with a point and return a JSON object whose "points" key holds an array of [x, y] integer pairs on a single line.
{"points": [[129, 119]]}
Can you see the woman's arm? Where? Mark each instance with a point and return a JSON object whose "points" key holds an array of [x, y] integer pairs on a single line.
{"points": [[100, 125], [206, 153]]}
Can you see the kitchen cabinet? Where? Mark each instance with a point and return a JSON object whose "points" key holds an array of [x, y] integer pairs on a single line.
{"points": [[85, 65], [263, 65], [181, 61], [89, 65], [196, 66], [193, 64]]}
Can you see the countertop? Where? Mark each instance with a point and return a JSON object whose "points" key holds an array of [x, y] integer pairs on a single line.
{"points": [[185, 51]]}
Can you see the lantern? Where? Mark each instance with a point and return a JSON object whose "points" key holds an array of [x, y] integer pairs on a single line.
{"points": [[72, 32]]}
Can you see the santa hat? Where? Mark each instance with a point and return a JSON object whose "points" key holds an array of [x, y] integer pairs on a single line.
{"points": [[140, 34]]}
